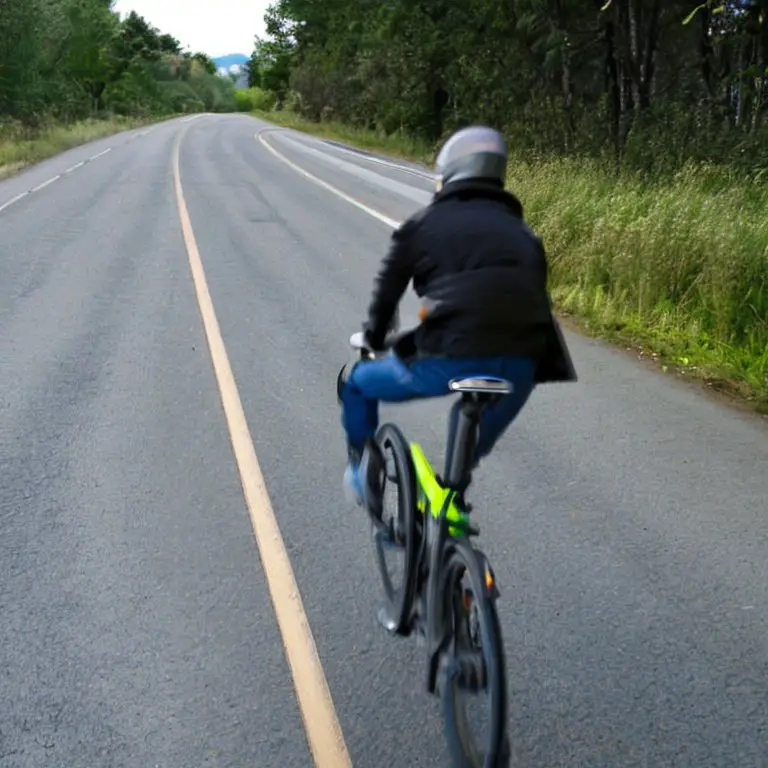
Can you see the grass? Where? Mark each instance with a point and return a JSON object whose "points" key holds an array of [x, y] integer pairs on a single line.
{"points": [[21, 147], [675, 267]]}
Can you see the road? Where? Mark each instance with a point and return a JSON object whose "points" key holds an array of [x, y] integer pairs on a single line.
{"points": [[626, 515]]}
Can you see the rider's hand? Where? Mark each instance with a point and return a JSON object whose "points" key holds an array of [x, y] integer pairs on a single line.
{"points": [[374, 340]]}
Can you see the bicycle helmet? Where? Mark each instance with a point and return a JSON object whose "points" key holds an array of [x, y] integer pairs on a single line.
{"points": [[475, 152]]}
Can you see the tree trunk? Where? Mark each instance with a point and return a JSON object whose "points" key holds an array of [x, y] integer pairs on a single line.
{"points": [[643, 35], [612, 85]]}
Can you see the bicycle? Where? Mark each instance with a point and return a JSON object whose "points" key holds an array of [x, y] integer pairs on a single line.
{"points": [[433, 530]]}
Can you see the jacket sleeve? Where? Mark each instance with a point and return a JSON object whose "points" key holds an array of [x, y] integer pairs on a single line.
{"points": [[394, 274]]}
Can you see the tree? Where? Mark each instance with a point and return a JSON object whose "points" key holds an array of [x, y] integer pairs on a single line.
{"points": [[206, 61], [651, 82], [270, 64], [73, 58]]}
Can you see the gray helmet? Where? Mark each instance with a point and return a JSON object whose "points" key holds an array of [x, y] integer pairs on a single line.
{"points": [[475, 152]]}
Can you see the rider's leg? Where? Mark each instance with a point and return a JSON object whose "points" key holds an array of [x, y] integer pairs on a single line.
{"points": [[390, 380], [387, 379]]}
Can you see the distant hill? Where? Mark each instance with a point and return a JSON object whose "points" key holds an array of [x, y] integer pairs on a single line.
{"points": [[233, 63], [230, 60]]}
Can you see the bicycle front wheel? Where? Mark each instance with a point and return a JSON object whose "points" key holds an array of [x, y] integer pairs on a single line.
{"points": [[397, 538], [474, 663]]}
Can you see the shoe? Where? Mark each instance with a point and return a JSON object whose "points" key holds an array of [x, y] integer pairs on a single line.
{"points": [[353, 484]]}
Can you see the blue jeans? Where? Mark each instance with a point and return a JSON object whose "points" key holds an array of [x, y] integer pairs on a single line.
{"points": [[390, 380]]}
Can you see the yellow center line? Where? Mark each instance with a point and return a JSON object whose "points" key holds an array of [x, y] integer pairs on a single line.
{"points": [[326, 741]]}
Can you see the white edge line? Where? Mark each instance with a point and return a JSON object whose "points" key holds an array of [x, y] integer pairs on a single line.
{"points": [[100, 154], [13, 200], [45, 184], [380, 161], [343, 195]]}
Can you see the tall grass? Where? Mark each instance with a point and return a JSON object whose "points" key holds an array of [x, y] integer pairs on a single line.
{"points": [[680, 265], [21, 146], [675, 265]]}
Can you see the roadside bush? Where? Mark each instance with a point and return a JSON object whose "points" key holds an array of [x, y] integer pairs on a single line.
{"points": [[254, 100]]}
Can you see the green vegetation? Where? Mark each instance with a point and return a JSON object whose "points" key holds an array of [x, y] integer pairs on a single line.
{"points": [[254, 100], [72, 70], [20, 146], [639, 133]]}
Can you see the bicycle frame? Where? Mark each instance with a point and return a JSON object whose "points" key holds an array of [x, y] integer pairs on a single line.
{"points": [[433, 501], [438, 553]]}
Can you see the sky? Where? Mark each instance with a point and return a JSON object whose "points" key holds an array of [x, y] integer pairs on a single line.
{"points": [[215, 28]]}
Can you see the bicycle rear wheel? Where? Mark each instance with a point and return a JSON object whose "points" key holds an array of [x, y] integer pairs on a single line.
{"points": [[472, 667], [398, 533]]}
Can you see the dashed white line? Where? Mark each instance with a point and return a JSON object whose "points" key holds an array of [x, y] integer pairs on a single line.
{"points": [[45, 184], [13, 200], [50, 181]]}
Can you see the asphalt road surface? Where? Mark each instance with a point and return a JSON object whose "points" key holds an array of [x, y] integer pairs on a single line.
{"points": [[626, 515]]}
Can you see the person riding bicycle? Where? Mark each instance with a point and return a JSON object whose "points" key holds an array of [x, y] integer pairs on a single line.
{"points": [[481, 273]]}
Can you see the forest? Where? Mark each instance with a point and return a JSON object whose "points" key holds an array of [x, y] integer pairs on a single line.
{"points": [[68, 60], [638, 132], [650, 82]]}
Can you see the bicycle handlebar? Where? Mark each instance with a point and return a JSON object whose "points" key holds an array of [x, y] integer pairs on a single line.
{"points": [[357, 342]]}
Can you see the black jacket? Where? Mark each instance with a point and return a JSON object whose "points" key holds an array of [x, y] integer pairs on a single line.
{"points": [[482, 276]]}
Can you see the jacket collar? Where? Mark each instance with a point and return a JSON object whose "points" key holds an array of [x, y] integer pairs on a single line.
{"points": [[467, 190]]}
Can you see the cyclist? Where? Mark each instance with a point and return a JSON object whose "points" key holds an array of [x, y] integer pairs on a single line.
{"points": [[482, 276]]}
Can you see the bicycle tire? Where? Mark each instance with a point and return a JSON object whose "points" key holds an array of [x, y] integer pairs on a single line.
{"points": [[399, 603], [461, 557]]}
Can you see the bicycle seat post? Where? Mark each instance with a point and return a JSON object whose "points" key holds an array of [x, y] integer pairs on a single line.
{"points": [[476, 394], [462, 438]]}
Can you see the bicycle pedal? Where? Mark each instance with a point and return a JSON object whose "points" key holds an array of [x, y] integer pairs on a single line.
{"points": [[390, 536], [389, 542], [466, 530]]}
